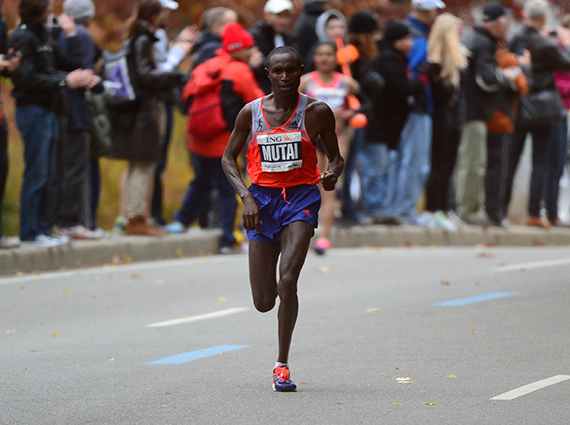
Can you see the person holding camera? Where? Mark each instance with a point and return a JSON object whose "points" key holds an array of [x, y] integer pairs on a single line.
{"points": [[43, 74]]}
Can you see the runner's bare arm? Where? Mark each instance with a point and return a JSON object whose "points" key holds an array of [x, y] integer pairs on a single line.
{"points": [[238, 138], [320, 121], [352, 85]]}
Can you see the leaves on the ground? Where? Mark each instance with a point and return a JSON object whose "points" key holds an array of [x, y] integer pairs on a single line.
{"points": [[445, 282], [158, 282], [429, 403], [136, 276], [11, 331], [65, 291], [179, 253], [452, 376], [405, 380], [323, 269], [396, 404], [127, 259], [373, 310], [54, 335], [221, 299], [485, 255]]}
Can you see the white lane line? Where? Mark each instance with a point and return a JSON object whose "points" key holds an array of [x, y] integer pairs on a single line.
{"points": [[536, 265], [518, 392], [109, 269], [206, 316]]}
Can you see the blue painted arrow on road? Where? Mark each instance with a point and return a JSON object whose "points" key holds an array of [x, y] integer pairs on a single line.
{"points": [[198, 354], [477, 299]]}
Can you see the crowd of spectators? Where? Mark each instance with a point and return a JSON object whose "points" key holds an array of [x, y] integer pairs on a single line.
{"points": [[432, 117]]}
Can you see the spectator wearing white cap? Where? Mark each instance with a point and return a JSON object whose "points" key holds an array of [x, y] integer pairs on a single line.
{"points": [[271, 32], [411, 166]]}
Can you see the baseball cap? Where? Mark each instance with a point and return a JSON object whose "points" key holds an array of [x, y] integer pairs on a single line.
{"points": [[79, 10], [428, 4], [169, 4], [395, 30], [493, 11], [235, 38], [278, 6]]}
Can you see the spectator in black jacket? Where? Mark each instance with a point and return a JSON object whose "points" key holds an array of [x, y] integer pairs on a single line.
{"points": [[271, 32], [390, 112], [7, 66], [546, 57], [211, 25], [482, 82], [44, 72], [72, 211], [304, 31]]}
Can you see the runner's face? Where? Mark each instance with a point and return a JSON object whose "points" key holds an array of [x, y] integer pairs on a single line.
{"points": [[285, 74], [325, 58]]}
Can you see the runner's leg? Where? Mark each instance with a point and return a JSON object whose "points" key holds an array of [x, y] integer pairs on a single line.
{"points": [[263, 274], [295, 240]]}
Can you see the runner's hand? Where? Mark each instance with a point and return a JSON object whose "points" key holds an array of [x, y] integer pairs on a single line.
{"points": [[328, 180], [250, 214]]}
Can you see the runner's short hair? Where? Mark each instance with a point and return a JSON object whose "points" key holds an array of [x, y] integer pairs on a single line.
{"points": [[282, 50]]}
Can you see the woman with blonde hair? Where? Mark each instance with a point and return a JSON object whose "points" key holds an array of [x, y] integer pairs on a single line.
{"points": [[445, 49]]}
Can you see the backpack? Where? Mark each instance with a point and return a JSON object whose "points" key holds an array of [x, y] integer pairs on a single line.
{"points": [[120, 74], [205, 113]]}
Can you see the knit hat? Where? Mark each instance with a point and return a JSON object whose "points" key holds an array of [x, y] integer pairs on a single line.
{"points": [[79, 10], [395, 30], [235, 38], [362, 22]]}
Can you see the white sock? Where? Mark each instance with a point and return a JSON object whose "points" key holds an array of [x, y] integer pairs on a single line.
{"points": [[279, 364]]}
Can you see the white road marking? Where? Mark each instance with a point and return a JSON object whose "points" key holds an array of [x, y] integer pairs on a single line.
{"points": [[206, 316], [518, 392], [109, 269], [536, 265]]}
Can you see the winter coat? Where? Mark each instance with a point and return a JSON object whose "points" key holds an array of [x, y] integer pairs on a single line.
{"points": [[304, 31], [235, 79], [264, 37], [546, 57], [40, 79], [136, 130], [392, 107], [482, 80], [205, 47]]}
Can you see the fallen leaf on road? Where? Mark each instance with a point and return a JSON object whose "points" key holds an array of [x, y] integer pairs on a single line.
{"points": [[373, 310], [452, 376], [116, 260], [65, 291], [396, 404], [410, 245], [302, 383], [323, 269], [405, 380], [338, 403], [18, 273], [62, 268], [221, 299], [485, 255], [445, 282], [451, 270], [179, 253], [159, 282], [538, 242], [54, 335], [95, 279], [488, 245], [10, 331], [23, 287], [429, 404], [398, 368], [112, 359], [127, 259], [472, 330], [136, 276]]}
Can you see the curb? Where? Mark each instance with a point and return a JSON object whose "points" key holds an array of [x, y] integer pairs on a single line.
{"points": [[198, 242]]}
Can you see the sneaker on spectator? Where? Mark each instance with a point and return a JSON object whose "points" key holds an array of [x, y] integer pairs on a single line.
{"points": [[120, 227], [454, 218], [443, 222], [74, 232], [48, 241], [176, 228], [321, 246], [94, 234], [9, 243]]}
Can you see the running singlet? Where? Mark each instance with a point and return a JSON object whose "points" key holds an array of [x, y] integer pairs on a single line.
{"points": [[333, 94], [282, 156]]}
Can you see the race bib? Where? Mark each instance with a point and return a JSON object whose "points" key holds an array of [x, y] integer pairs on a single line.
{"points": [[280, 151]]}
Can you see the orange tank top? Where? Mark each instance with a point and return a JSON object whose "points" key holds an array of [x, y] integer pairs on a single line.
{"points": [[282, 156]]}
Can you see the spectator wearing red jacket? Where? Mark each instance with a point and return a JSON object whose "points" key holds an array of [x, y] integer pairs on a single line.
{"points": [[217, 90]]}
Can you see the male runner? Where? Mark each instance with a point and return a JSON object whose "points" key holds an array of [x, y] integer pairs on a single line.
{"points": [[280, 208]]}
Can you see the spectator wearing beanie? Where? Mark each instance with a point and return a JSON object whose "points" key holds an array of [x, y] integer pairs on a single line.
{"points": [[230, 75], [390, 112], [72, 211]]}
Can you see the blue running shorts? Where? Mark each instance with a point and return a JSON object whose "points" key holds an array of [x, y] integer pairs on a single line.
{"points": [[279, 207]]}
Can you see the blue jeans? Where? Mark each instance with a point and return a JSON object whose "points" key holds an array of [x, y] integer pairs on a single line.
{"points": [[410, 168], [38, 128], [208, 173], [555, 168], [352, 164], [374, 177]]}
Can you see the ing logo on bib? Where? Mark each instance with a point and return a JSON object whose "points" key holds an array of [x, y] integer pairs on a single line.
{"points": [[280, 151]]}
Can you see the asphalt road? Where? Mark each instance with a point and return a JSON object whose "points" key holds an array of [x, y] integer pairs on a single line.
{"points": [[465, 324]]}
